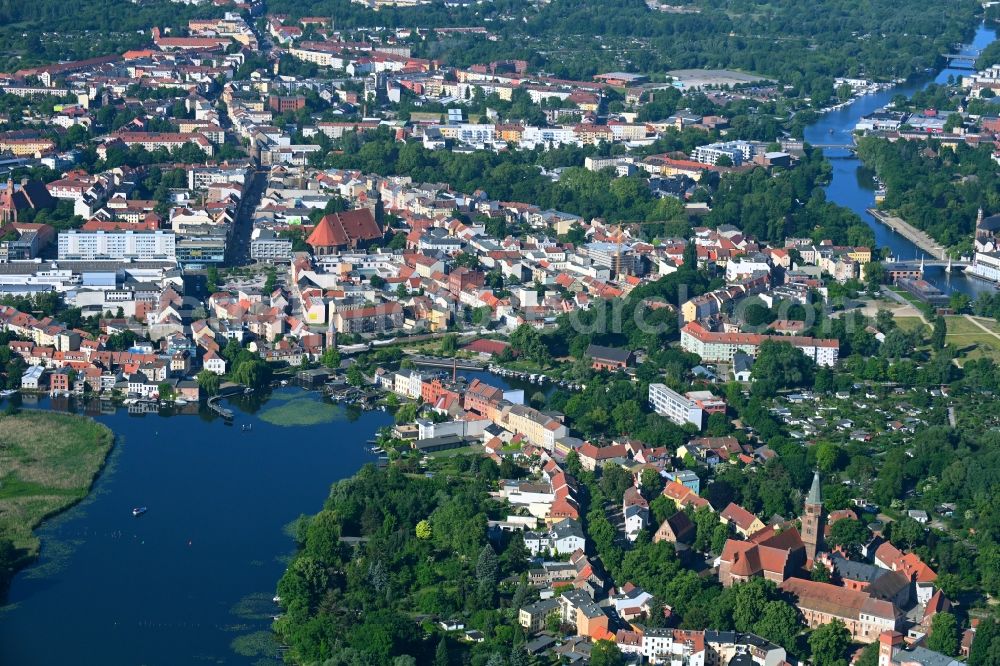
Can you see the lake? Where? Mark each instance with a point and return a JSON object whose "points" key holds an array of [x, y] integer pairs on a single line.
{"points": [[180, 583]]}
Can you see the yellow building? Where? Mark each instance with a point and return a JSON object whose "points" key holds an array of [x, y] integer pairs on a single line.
{"points": [[26, 147], [861, 255]]}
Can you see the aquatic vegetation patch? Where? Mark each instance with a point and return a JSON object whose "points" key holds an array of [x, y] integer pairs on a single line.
{"points": [[302, 411], [48, 463], [257, 644]]}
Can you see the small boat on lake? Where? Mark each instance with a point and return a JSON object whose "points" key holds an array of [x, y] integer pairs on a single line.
{"points": [[138, 511]]}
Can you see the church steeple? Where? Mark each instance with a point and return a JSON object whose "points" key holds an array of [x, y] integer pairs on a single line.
{"points": [[815, 495], [813, 522]]}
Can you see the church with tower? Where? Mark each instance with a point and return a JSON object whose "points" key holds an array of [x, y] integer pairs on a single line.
{"points": [[813, 521], [780, 551]]}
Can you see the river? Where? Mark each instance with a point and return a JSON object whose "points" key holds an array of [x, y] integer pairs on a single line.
{"points": [[852, 184], [181, 583]]}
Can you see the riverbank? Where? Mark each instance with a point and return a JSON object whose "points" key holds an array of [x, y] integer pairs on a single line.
{"points": [[851, 185], [49, 463], [910, 233]]}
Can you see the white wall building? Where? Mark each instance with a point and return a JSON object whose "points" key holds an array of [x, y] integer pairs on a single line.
{"points": [[138, 245], [671, 404]]}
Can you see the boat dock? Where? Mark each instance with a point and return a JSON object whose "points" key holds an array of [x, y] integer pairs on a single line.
{"points": [[213, 404]]}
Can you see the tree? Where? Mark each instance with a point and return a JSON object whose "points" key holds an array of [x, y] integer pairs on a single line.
{"points": [[829, 457], [820, 573], [441, 653], [939, 333], [944, 636], [406, 413], [874, 278], [828, 643], [271, 281], [719, 425], [985, 649], [869, 656], [449, 344], [212, 279], [553, 623], [354, 376], [779, 623], [423, 530], [520, 597], [652, 483], [254, 372], [331, 357], [953, 121], [606, 653], [165, 391], [209, 382], [626, 416], [487, 570], [749, 600], [8, 558], [780, 365], [849, 534], [615, 480]]}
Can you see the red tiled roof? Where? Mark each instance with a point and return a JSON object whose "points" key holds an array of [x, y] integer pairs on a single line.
{"points": [[345, 228]]}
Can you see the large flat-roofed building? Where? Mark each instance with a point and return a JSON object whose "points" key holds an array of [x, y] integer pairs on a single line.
{"points": [[533, 616], [714, 347], [167, 140], [539, 428], [198, 250], [669, 403], [139, 245], [268, 246], [370, 319], [738, 152], [923, 290]]}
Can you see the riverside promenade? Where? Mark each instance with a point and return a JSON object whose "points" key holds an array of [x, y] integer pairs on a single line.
{"points": [[911, 233]]}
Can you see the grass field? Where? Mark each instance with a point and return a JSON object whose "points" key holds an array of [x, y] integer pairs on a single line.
{"points": [[972, 340], [910, 323], [48, 461]]}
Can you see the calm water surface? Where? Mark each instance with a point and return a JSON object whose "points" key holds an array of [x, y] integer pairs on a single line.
{"points": [[852, 184], [179, 584]]}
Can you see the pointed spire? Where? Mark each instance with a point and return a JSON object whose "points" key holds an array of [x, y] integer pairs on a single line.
{"points": [[814, 496]]}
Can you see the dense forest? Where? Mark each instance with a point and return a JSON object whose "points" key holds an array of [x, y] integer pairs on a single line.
{"points": [[424, 552], [791, 204], [935, 189]]}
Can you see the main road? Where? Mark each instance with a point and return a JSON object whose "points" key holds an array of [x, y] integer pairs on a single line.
{"points": [[239, 245]]}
